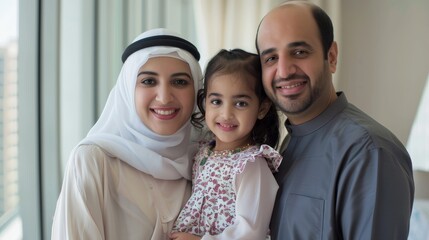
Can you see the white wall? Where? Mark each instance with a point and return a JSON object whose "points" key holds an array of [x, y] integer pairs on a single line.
{"points": [[384, 54]]}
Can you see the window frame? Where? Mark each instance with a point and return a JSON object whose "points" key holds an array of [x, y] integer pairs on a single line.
{"points": [[28, 119], [38, 116], [59, 58]]}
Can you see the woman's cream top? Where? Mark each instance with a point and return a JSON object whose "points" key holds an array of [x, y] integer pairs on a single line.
{"points": [[108, 199]]}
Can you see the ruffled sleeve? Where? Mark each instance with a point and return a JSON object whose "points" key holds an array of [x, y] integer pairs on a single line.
{"points": [[272, 157], [255, 189]]}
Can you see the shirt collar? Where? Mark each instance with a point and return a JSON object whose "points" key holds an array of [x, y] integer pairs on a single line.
{"points": [[316, 123]]}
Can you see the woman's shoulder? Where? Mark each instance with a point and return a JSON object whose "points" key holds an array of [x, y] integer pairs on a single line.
{"points": [[88, 151], [86, 169], [88, 155]]}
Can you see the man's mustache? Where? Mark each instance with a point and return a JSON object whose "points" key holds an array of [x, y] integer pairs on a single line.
{"points": [[292, 77]]}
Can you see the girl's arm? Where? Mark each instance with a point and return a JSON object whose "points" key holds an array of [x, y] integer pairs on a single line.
{"points": [[78, 213], [183, 236], [256, 191]]}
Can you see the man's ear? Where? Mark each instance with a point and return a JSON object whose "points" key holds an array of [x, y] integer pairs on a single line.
{"points": [[264, 108], [333, 57]]}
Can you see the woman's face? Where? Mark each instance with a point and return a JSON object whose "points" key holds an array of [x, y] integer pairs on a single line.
{"points": [[164, 94]]}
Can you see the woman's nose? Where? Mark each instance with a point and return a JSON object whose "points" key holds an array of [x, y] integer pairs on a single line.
{"points": [[164, 94]]}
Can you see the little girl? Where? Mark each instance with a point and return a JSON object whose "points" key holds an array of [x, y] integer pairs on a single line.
{"points": [[233, 187]]}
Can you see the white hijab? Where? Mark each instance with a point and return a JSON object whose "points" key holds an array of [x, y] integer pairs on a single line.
{"points": [[120, 132]]}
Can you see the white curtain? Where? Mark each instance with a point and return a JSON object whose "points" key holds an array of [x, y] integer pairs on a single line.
{"points": [[228, 24], [233, 23], [418, 142]]}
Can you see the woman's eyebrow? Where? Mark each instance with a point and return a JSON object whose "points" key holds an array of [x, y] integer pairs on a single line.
{"points": [[156, 74], [147, 73], [181, 74]]}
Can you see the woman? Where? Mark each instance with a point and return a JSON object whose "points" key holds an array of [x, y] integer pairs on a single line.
{"points": [[128, 179]]}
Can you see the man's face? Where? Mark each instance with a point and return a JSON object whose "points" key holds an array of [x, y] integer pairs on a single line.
{"points": [[295, 74]]}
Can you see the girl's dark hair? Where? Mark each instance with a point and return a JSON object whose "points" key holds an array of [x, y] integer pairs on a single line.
{"points": [[238, 61]]}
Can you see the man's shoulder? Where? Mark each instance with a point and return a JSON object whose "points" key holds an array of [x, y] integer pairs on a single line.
{"points": [[355, 125]]}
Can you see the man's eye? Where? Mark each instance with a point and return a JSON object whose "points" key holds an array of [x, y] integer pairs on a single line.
{"points": [[270, 59], [300, 53]]}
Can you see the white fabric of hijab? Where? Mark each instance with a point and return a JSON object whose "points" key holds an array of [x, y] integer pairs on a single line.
{"points": [[120, 132]]}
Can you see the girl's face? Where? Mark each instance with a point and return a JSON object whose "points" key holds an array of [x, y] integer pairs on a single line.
{"points": [[232, 108], [164, 94]]}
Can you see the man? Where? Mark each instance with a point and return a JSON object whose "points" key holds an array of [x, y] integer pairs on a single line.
{"points": [[343, 176]]}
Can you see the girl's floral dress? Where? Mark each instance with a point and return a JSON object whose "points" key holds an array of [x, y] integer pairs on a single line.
{"points": [[212, 206]]}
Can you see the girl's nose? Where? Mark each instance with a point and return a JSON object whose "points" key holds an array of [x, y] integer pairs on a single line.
{"points": [[226, 112]]}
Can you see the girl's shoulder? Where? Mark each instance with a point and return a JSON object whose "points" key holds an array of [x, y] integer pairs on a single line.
{"points": [[238, 160], [205, 147], [206, 144], [258, 153]]}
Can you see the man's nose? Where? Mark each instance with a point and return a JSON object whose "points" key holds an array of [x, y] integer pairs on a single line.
{"points": [[285, 67]]}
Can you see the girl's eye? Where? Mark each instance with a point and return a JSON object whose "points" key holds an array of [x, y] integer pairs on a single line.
{"points": [[180, 82], [241, 104], [215, 102]]}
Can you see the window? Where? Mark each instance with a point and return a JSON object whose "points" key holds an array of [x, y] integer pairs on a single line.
{"points": [[66, 76], [10, 220], [419, 137]]}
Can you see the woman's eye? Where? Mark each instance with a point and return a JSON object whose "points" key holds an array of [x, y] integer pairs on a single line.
{"points": [[148, 81], [180, 82]]}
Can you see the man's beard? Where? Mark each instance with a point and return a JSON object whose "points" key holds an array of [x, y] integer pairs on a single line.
{"points": [[293, 105]]}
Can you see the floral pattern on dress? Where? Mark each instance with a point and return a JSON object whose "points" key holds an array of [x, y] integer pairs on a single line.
{"points": [[211, 208]]}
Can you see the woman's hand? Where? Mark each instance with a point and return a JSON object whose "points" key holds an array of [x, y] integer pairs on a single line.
{"points": [[183, 236]]}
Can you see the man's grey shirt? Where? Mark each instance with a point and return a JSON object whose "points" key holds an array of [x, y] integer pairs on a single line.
{"points": [[343, 176]]}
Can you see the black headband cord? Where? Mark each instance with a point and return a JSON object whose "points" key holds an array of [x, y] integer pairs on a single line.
{"points": [[161, 40]]}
